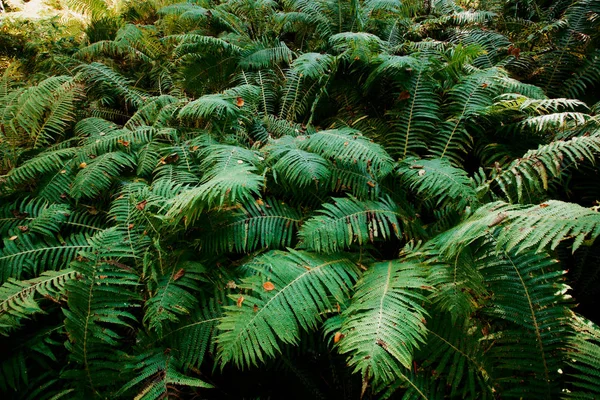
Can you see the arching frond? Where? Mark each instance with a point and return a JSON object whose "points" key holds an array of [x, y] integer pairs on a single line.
{"points": [[523, 227], [97, 175], [18, 298], [437, 181], [256, 224], [378, 345], [529, 175], [349, 220], [265, 317]]}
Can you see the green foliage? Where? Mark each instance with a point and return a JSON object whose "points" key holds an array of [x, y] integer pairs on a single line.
{"points": [[178, 181]]}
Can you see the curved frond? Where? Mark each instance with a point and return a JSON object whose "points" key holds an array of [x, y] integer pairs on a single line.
{"points": [[265, 317]]}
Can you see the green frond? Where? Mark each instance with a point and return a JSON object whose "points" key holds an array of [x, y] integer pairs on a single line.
{"points": [[97, 174], [50, 161], [41, 113], [185, 11], [466, 99], [158, 373], [217, 158], [494, 44], [193, 339], [297, 167], [521, 227], [172, 297], [584, 359], [26, 255], [253, 225], [238, 183], [529, 299], [94, 128], [265, 55], [437, 181], [314, 65], [356, 44], [107, 82], [348, 146], [20, 299], [385, 320], [454, 353], [99, 307], [349, 220], [415, 115], [37, 215], [211, 105], [263, 320], [190, 43], [527, 176]]}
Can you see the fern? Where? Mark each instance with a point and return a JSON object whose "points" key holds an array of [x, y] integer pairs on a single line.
{"points": [[520, 227], [267, 318], [18, 298], [380, 346], [253, 225], [348, 220]]}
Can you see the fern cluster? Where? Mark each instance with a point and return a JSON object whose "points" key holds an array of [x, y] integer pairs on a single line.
{"points": [[400, 194]]}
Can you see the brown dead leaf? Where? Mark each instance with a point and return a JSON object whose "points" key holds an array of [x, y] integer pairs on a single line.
{"points": [[179, 274], [141, 205]]}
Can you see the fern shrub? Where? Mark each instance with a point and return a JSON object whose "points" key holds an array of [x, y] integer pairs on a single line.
{"points": [[307, 199]]}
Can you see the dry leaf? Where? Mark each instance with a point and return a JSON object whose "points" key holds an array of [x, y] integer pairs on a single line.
{"points": [[404, 96], [83, 165], [13, 237], [255, 308], [179, 274], [130, 226], [239, 102], [170, 159], [268, 286], [499, 218], [141, 205], [23, 228], [338, 336], [231, 285], [240, 300]]}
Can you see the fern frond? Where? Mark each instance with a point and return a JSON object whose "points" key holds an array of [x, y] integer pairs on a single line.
{"points": [[266, 318], [253, 225], [97, 175], [348, 146], [99, 306], [158, 372], [30, 255], [18, 298], [522, 227], [530, 174], [378, 343], [172, 297], [438, 181], [349, 220], [530, 300], [234, 184], [584, 359]]}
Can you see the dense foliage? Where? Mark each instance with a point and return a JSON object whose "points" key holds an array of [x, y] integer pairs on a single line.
{"points": [[301, 199]]}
